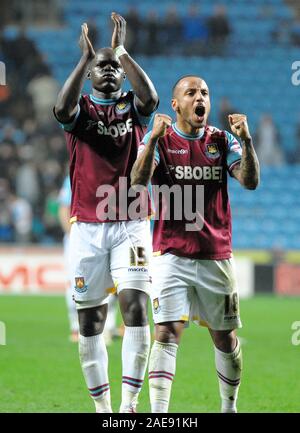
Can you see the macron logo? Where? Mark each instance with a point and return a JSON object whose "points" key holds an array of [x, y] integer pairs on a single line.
{"points": [[178, 151]]}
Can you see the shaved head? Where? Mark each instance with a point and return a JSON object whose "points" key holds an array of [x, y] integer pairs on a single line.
{"points": [[105, 52], [191, 102], [178, 82]]}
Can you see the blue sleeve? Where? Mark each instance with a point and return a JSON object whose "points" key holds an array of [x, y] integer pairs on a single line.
{"points": [[144, 120], [71, 125], [144, 143], [234, 151], [64, 197]]}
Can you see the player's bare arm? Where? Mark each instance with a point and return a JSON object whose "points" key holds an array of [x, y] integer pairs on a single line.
{"points": [[68, 97], [146, 96], [64, 218], [247, 172], [144, 166]]}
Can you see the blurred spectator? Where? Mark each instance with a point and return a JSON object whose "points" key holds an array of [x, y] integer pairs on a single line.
{"points": [[51, 217], [8, 134], [21, 216], [33, 11], [20, 108], [43, 90], [51, 173], [15, 216], [11, 134], [24, 56], [152, 28], [58, 150], [27, 179], [267, 140], [5, 14], [171, 31], [6, 227], [225, 109], [30, 128], [23, 61], [295, 32], [133, 31], [195, 32], [9, 161], [278, 254], [219, 31], [281, 33]]}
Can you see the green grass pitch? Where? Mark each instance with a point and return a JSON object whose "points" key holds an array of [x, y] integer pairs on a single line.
{"points": [[40, 372]]}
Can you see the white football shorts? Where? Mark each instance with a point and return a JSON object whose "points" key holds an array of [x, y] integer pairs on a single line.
{"points": [[108, 257], [203, 291]]}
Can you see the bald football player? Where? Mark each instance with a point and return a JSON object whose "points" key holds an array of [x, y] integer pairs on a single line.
{"points": [[193, 268]]}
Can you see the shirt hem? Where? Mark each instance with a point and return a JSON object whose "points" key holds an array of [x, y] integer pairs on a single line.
{"points": [[87, 220], [200, 256]]}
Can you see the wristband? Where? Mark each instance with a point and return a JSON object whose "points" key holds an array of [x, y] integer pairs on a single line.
{"points": [[120, 50]]}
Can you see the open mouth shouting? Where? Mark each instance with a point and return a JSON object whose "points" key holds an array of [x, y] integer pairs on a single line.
{"points": [[200, 113]]}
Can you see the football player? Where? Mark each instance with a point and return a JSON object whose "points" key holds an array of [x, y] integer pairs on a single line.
{"points": [[108, 248], [193, 268]]}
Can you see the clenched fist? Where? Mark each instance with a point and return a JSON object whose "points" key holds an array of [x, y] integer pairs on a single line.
{"points": [[239, 125], [160, 125]]}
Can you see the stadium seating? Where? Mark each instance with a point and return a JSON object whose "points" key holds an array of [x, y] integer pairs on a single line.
{"points": [[268, 217]]}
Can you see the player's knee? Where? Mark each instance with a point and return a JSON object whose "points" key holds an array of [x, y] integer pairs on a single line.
{"points": [[92, 320], [225, 341], [169, 333], [135, 314], [134, 307]]}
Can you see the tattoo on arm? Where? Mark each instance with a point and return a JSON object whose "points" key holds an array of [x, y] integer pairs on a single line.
{"points": [[248, 172]]}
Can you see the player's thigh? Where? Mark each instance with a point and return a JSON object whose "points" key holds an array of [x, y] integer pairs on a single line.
{"points": [[89, 267], [170, 292], [217, 299], [130, 255]]}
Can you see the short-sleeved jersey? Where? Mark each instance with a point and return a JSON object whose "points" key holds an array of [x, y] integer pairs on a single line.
{"points": [[184, 160], [103, 140], [64, 196]]}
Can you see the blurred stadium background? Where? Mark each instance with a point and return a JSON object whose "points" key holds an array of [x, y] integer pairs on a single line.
{"points": [[245, 52]]}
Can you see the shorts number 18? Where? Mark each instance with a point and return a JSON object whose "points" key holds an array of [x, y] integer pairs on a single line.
{"points": [[231, 304]]}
